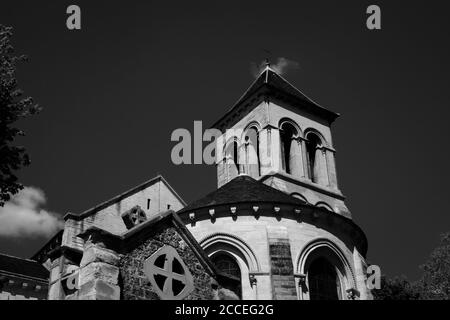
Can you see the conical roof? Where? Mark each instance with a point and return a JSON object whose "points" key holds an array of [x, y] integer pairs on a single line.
{"points": [[271, 83], [242, 189]]}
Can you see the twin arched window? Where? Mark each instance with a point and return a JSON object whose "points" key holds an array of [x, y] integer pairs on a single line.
{"points": [[302, 157], [309, 163], [244, 157]]}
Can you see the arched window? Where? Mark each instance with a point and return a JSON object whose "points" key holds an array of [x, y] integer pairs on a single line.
{"points": [[291, 155], [252, 152], [228, 266], [323, 281], [314, 157]]}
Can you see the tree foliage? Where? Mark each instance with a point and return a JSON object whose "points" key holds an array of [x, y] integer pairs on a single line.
{"points": [[398, 288], [434, 283], [13, 107]]}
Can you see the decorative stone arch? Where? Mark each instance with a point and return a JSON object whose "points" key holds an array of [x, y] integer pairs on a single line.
{"points": [[325, 205], [316, 132], [229, 141], [234, 244], [231, 245], [252, 124], [324, 248], [299, 196], [293, 124]]}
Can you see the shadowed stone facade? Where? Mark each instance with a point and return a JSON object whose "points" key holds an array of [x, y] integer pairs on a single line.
{"points": [[135, 283]]}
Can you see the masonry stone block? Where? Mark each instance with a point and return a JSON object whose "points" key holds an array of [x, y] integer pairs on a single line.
{"points": [[98, 289], [93, 253], [99, 270]]}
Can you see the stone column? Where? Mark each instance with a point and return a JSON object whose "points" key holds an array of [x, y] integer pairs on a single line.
{"points": [[331, 166], [295, 158], [360, 275], [242, 159], [275, 147], [265, 151], [316, 166], [99, 273], [323, 179], [305, 159], [320, 167], [252, 160]]}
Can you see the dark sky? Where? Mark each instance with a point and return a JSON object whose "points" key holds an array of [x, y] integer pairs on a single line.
{"points": [[113, 92]]}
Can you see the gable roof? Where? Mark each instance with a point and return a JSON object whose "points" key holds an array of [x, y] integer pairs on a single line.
{"points": [[122, 196], [242, 189], [22, 267], [271, 83]]}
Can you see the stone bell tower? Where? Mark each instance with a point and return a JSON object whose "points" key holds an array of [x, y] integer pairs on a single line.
{"points": [[277, 135], [277, 223]]}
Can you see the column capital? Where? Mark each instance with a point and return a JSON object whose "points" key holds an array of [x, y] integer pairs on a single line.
{"points": [[253, 280]]}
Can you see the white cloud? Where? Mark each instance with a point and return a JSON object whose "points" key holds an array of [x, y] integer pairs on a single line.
{"points": [[282, 66], [23, 216]]}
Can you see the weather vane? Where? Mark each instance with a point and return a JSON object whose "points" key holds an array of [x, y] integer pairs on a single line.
{"points": [[267, 62]]}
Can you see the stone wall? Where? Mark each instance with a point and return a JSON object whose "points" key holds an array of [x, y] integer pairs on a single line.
{"points": [[134, 283], [254, 232], [153, 197], [282, 270]]}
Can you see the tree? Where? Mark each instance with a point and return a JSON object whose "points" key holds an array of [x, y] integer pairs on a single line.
{"points": [[435, 282], [398, 288], [13, 106], [433, 285]]}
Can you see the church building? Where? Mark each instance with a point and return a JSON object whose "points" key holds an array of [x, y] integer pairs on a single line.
{"points": [[278, 221], [277, 226]]}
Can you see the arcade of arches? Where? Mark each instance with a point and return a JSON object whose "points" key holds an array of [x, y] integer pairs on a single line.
{"points": [[325, 278], [301, 156]]}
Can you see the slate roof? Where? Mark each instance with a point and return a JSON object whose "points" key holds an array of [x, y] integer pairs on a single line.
{"points": [[242, 189], [22, 267], [269, 79]]}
